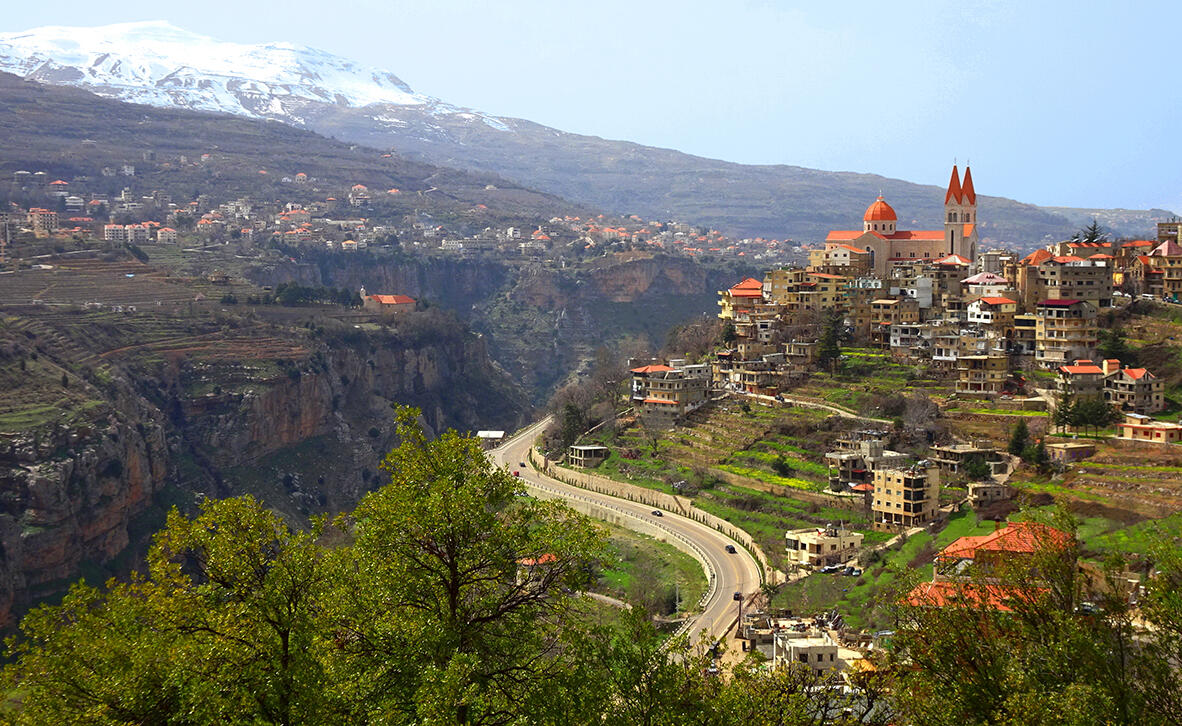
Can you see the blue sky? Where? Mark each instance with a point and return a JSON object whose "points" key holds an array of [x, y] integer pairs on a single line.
{"points": [[1054, 103]]}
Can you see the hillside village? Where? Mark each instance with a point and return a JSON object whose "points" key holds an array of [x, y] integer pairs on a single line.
{"points": [[318, 215], [906, 386]]}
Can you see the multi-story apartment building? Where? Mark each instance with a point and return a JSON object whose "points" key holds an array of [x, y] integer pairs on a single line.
{"points": [[1081, 379], [885, 312], [982, 375], [665, 393], [1067, 278], [739, 297], [1133, 389], [905, 498], [993, 312], [1065, 330]]}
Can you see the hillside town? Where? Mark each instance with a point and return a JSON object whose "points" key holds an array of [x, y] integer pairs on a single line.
{"points": [[345, 219]]}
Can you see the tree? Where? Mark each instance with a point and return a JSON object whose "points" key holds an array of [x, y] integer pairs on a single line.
{"points": [[829, 344], [976, 468], [456, 590], [1092, 233], [222, 629], [1113, 345], [1013, 645], [1020, 438]]}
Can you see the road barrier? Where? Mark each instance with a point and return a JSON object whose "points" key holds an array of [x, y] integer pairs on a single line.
{"points": [[659, 500]]}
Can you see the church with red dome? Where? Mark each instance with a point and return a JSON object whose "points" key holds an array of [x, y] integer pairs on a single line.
{"points": [[889, 246]]}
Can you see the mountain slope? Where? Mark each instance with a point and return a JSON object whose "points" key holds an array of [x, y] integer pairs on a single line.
{"points": [[158, 64]]}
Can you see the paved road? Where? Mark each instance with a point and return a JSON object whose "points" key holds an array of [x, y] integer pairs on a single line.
{"points": [[731, 573]]}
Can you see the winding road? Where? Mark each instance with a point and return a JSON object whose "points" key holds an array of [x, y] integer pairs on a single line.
{"points": [[728, 573]]}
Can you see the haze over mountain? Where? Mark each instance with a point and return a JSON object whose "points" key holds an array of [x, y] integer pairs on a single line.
{"points": [[159, 64]]}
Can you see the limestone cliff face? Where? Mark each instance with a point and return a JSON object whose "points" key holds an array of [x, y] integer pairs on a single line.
{"points": [[70, 496], [80, 496]]}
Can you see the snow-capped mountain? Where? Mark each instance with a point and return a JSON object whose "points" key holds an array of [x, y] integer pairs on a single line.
{"points": [[158, 64]]}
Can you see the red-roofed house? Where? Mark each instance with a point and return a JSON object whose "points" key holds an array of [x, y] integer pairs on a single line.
{"points": [[742, 295], [664, 393], [1133, 389], [881, 237], [993, 312], [1081, 379], [386, 304]]}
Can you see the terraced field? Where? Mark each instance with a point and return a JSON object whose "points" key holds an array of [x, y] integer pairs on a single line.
{"points": [[757, 466]]}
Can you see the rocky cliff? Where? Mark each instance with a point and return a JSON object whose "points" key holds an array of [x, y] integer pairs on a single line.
{"points": [[541, 320], [83, 486]]}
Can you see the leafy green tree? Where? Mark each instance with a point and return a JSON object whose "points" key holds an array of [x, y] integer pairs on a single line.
{"points": [[221, 630], [976, 468], [456, 590], [1019, 438]]}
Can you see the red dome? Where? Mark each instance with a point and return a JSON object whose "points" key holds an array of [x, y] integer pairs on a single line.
{"points": [[880, 211]]}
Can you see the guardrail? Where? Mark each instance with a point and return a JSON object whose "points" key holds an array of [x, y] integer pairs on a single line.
{"points": [[660, 500], [687, 545]]}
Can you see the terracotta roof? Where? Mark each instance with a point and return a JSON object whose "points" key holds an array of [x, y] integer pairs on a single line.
{"points": [[1064, 259], [986, 278], [866, 487], [1136, 373], [1036, 257], [838, 234], [879, 211], [652, 369], [968, 195], [392, 299], [1019, 537], [967, 231], [943, 593], [953, 260], [851, 248], [826, 276], [660, 400], [543, 560], [1079, 369], [954, 193]]}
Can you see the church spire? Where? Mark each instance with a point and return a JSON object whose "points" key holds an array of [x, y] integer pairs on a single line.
{"points": [[968, 194], [954, 192]]}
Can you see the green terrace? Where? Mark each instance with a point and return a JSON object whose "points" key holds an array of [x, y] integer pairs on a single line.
{"points": [[857, 598]]}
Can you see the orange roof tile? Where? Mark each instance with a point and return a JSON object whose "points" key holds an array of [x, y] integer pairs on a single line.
{"points": [[954, 193], [1020, 537], [967, 194], [999, 301], [658, 368], [392, 299], [879, 211]]}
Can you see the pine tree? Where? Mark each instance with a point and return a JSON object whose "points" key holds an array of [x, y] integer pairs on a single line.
{"points": [[1020, 438]]}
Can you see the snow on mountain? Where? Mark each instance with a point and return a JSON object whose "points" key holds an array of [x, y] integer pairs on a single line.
{"points": [[158, 64]]}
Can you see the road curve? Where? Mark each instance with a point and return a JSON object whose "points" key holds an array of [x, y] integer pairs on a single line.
{"points": [[729, 573]]}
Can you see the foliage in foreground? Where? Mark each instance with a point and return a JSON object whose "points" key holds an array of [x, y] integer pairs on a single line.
{"points": [[446, 598]]}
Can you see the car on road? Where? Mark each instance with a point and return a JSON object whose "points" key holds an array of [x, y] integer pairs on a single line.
{"points": [[730, 549], [830, 569], [851, 572], [657, 513], [521, 464], [516, 473]]}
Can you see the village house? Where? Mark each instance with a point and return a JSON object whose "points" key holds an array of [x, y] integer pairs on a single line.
{"points": [[386, 304], [982, 375], [663, 394], [821, 546], [814, 648], [1138, 427], [586, 456]]}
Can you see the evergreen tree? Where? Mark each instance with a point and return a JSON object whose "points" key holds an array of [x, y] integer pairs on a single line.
{"points": [[1020, 438], [829, 344]]}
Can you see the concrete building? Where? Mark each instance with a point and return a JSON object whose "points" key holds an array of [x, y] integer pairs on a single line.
{"points": [[1065, 330], [665, 393], [905, 498], [982, 375], [1137, 427], [813, 648], [818, 547], [587, 456]]}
